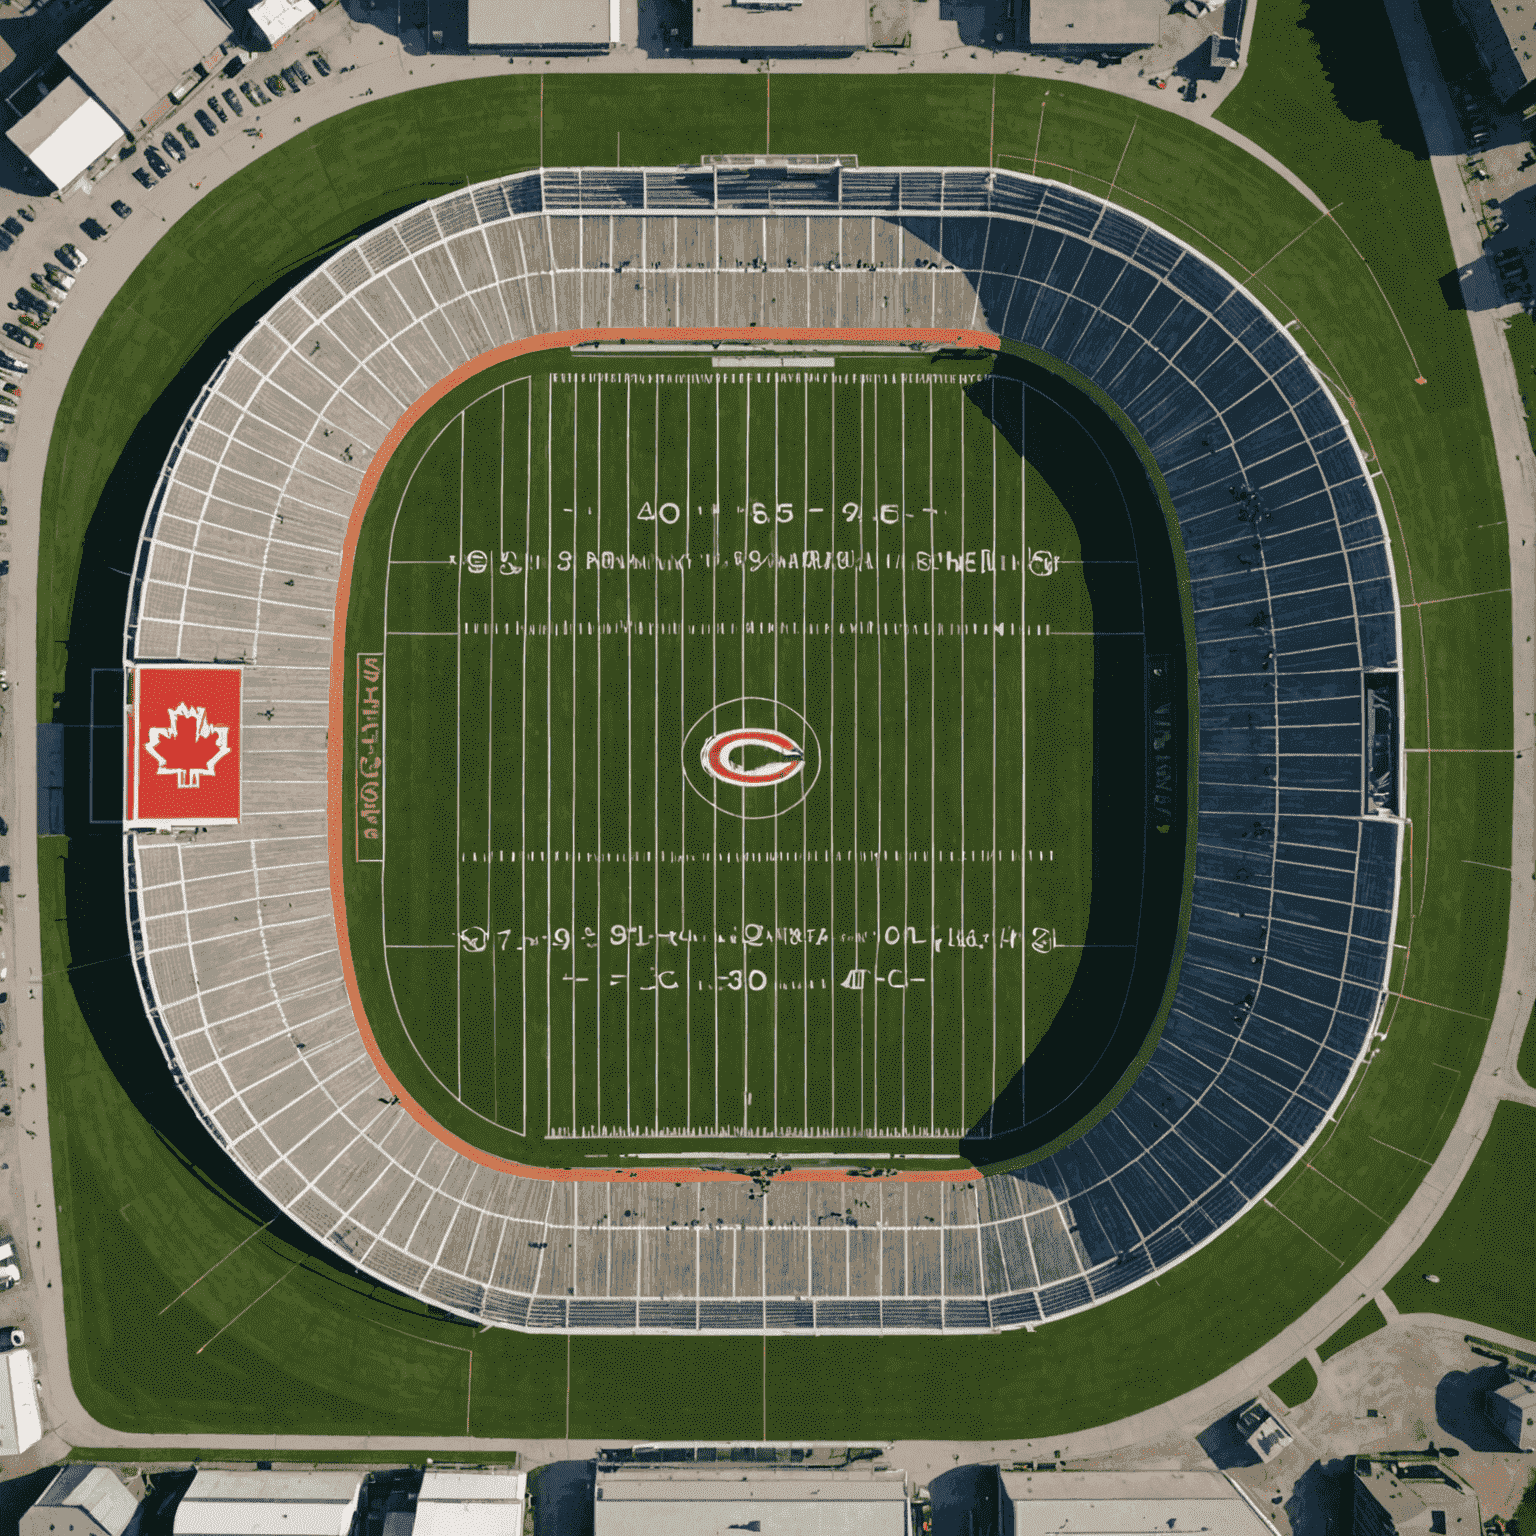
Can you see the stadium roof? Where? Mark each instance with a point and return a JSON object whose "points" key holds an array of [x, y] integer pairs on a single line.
{"points": [[543, 23], [133, 54], [696, 1501], [1094, 23], [816, 26], [65, 133], [94, 1490], [269, 1504], [1129, 1504]]}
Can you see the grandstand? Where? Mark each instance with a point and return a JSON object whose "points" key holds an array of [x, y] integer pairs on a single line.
{"points": [[1295, 881]]}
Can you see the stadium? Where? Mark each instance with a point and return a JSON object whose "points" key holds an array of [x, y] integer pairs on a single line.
{"points": [[1244, 773]]}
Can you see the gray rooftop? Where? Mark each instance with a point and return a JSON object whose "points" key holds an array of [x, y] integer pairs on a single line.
{"points": [[813, 26], [540, 24], [697, 1501], [131, 55], [97, 1491], [1129, 1504], [1094, 23]]}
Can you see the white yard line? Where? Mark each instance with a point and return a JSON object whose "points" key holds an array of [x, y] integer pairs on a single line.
{"points": [[458, 767]]}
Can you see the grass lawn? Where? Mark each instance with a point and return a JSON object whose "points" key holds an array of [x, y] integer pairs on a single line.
{"points": [[1368, 1320], [1521, 331], [280, 1338], [1483, 1248], [1527, 1058], [1297, 1385]]}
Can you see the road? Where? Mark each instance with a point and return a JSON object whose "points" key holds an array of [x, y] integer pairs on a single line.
{"points": [[384, 69]]}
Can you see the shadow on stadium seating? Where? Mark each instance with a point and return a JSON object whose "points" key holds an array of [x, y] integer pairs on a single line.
{"points": [[1459, 1407], [1319, 1504], [101, 975], [1139, 841], [1346, 35]]}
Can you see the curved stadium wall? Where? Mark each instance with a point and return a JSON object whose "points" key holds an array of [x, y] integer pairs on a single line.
{"points": [[1296, 863]]}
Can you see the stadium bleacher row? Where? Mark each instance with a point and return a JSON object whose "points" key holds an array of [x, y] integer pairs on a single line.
{"points": [[1295, 880]]}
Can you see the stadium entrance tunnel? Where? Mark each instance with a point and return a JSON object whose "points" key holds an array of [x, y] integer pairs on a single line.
{"points": [[1142, 768]]}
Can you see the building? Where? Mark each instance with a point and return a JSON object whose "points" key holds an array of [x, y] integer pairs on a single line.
{"points": [[66, 133], [273, 20], [1512, 1408], [1262, 1432], [782, 26], [139, 58], [21, 1424], [1395, 1494], [719, 1500], [1093, 26], [1127, 1504], [556, 26], [81, 1501], [462, 1504], [1505, 34], [269, 1504]]}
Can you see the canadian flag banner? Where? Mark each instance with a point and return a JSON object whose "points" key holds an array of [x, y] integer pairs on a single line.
{"points": [[184, 735]]}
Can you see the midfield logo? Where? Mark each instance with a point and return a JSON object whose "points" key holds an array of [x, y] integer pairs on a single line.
{"points": [[718, 757], [189, 747]]}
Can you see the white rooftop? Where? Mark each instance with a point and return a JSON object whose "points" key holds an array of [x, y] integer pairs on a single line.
{"points": [[774, 1502], [21, 1425], [543, 23], [1129, 1504], [268, 1504], [275, 19], [66, 133], [1094, 23]]}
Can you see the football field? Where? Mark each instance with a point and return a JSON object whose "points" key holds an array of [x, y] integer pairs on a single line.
{"points": [[725, 753]]}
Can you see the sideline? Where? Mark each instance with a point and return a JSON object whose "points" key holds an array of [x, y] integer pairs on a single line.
{"points": [[69, 1422]]}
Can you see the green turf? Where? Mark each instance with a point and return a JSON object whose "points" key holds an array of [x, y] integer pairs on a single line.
{"points": [[1297, 1385], [1483, 1248], [1521, 333], [1526, 1062], [709, 978], [1523, 1522], [1368, 1320], [147, 1202]]}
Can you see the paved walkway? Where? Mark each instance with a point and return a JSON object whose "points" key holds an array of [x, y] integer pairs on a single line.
{"points": [[387, 69]]}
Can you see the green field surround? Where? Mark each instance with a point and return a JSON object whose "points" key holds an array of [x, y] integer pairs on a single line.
{"points": [[1297, 1385], [1368, 1320], [253, 1328]]}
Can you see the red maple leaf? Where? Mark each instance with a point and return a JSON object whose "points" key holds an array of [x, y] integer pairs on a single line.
{"points": [[188, 753]]}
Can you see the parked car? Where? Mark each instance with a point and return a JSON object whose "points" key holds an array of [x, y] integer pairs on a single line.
{"points": [[172, 146], [275, 85], [143, 177], [233, 102], [298, 69], [216, 107], [24, 338], [12, 364], [72, 256], [191, 139], [237, 62], [156, 161], [206, 123], [13, 226], [291, 76], [121, 209], [322, 65], [95, 229], [248, 91], [12, 1338], [5, 241]]}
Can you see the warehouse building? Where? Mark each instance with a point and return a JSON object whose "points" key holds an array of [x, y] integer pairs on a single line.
{"points": [[1398, 1495], [21, 1424], [1512, 1407], [81, 1501], [269, 1504], [461, 1504], [139, 58], [1093, 26], [554, 26], [66, 133], [706, 1500], [1048, 1503], [812, 27]]}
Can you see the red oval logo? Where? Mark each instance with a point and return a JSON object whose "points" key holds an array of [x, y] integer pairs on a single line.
{"points": [[718, 756]]}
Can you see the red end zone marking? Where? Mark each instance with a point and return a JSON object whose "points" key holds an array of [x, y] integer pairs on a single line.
{"points": [[336, 746]]}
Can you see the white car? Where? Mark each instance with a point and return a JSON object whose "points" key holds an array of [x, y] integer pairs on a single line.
{"points": [[14, 364], [9, 1275]]}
